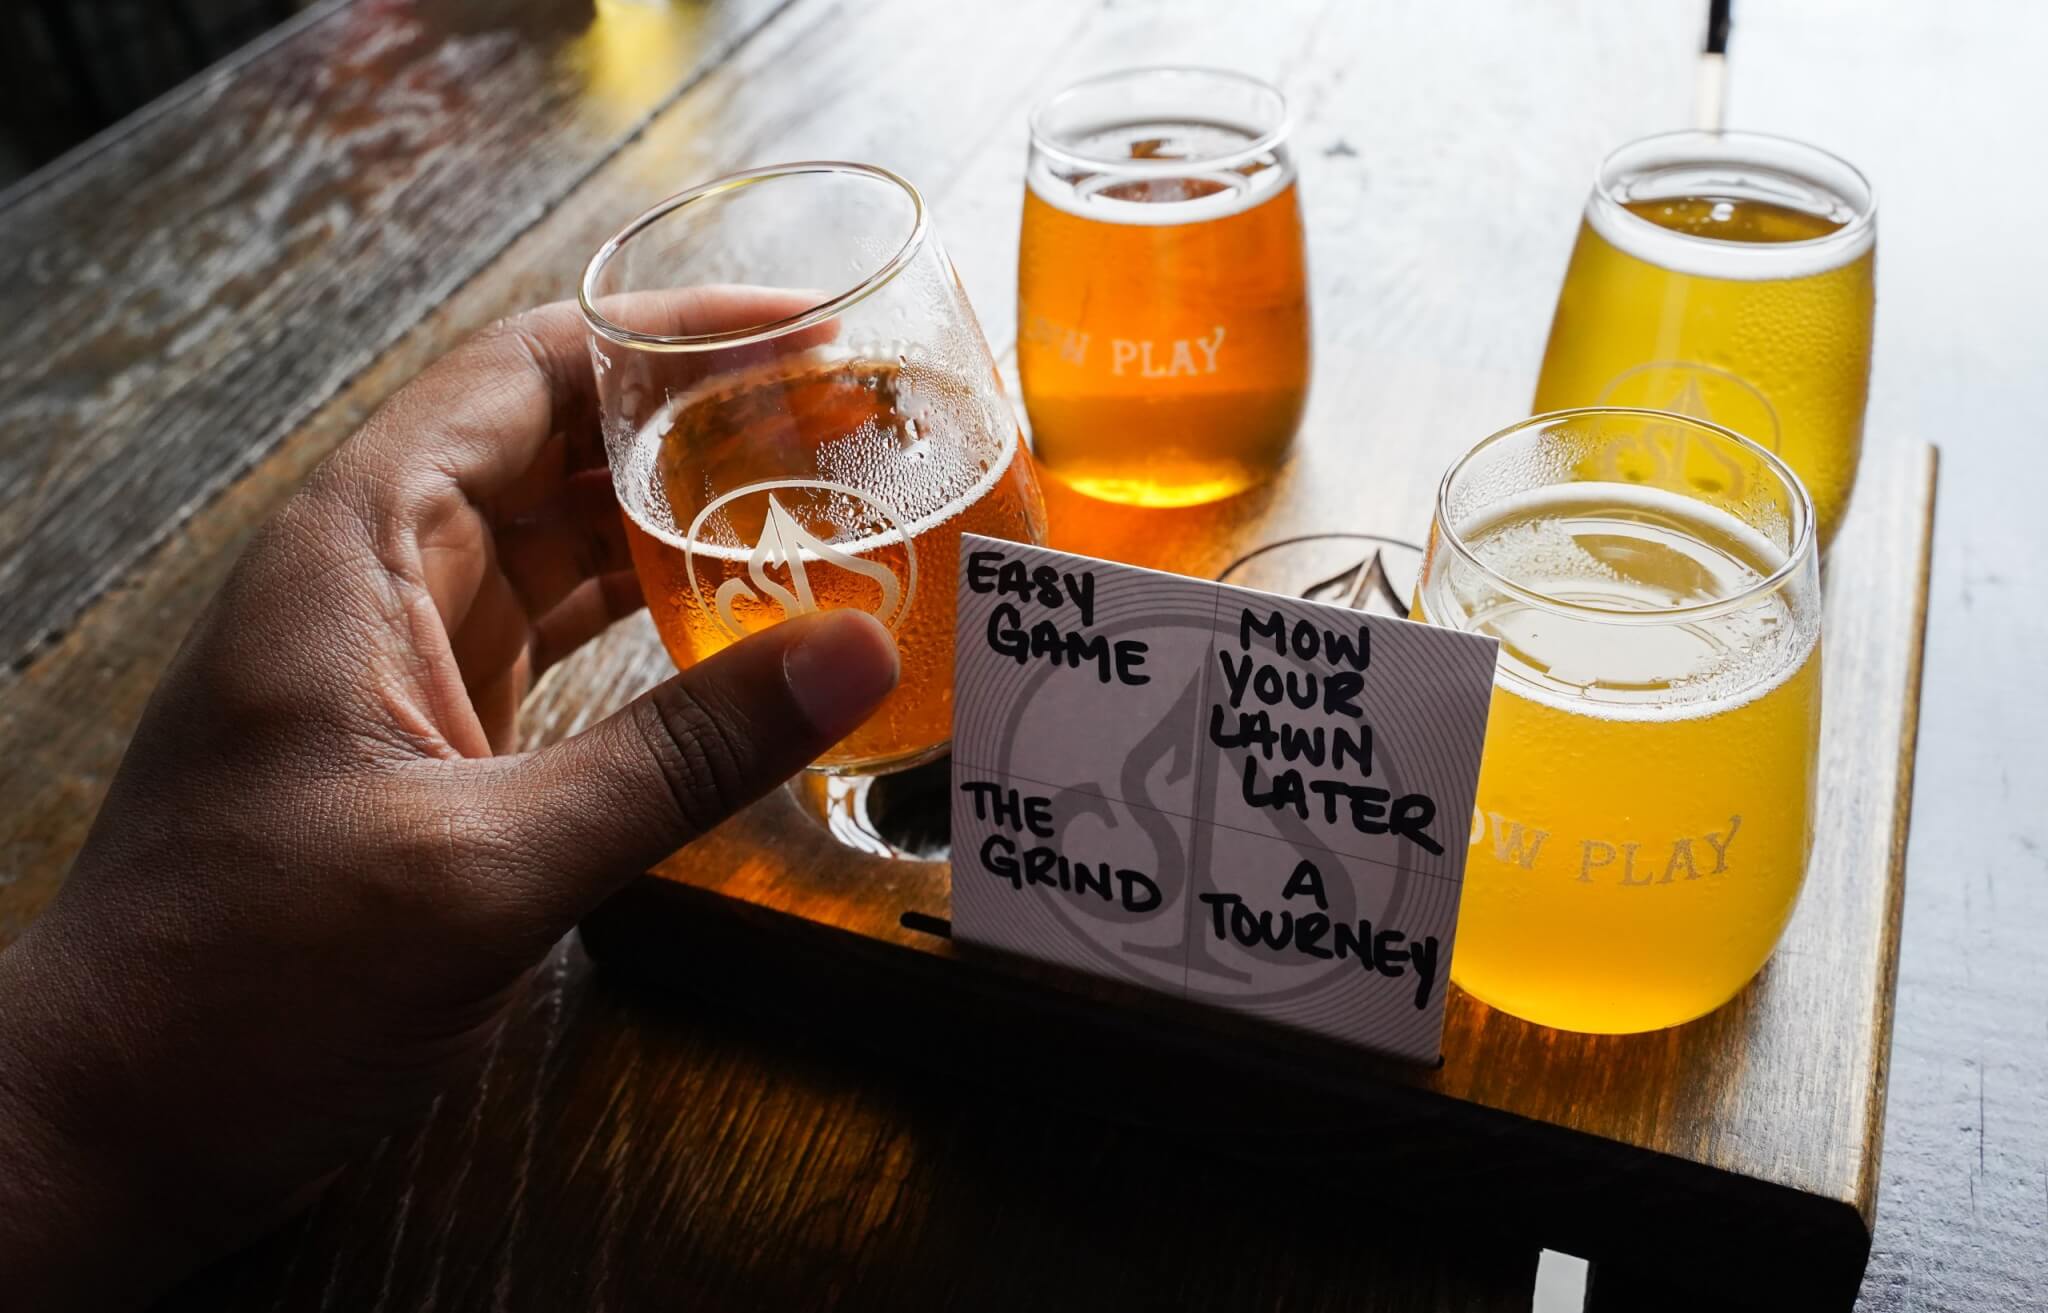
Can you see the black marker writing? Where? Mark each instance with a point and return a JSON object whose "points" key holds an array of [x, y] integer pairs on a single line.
{"points": [[1046, 639], [1027, 865], [1389, 952], [1263, 684], [993, 572]]}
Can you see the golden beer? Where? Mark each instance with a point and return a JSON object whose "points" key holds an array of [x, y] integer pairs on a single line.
{"points": [[800, 412], [819, 481], [1730, 278], [1162, 300], [1645, 805]]}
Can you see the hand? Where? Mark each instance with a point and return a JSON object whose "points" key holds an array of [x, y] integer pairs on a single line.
{"points": [[313, 889]]}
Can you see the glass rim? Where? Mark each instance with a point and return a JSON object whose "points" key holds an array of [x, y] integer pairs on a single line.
{"points": [[1044, 142], [586, 287], [1797, 555], [1607, 177]]}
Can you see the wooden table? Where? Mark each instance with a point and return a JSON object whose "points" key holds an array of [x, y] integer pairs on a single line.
{"points": [[203, 303]]}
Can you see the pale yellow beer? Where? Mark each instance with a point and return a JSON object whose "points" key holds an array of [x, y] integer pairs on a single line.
{"points": [[932, 465], [1162, 288], [1729, 277], [1645, 805]]}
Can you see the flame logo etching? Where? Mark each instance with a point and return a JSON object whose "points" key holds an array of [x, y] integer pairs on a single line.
{"points": [[786, 543], [1366, 572], [1698, 391]]}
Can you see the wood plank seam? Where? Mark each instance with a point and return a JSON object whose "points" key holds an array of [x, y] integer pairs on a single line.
{"points": [[1886, 1002], [138, 557]]}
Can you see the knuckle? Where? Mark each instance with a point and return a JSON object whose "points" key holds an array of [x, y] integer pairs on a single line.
{"points": [[527, 339], [703, 754]]}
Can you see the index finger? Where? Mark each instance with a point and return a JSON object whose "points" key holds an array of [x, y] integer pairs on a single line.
{"points": [[482, 413]]}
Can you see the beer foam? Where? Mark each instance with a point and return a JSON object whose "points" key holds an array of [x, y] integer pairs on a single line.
{"points": [[1083, 197], [1716, 257], [1755, 647], [652, 512]]}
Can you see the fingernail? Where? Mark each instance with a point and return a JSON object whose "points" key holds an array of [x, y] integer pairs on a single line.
{"points": [[839, 670]]}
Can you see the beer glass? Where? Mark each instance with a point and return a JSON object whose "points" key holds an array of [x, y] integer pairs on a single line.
{"points": [[1729, 276], [800, 413], [1645, 804], [1162, 286]]}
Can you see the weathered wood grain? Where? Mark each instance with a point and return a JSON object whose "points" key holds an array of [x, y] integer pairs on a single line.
{"points": [[628, 1152], [171, 307], [1932, 104], [1417, 408], [113, 654], [590, 1146], [745, 111]]}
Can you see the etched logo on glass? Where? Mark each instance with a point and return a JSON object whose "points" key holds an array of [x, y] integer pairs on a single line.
{"points": [[816, 549], [1666, 455], [1365, 571]]}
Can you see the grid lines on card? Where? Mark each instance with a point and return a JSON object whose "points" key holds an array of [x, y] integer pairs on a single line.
{"points": [[999, 772]]}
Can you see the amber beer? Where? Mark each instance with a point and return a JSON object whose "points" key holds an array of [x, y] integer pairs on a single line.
{"points": [[842, 481], [1729, 277], [1162, 300], [1645, 804]]}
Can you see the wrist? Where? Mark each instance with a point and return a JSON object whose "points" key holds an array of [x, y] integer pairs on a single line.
{"points": [[66, 1195]]}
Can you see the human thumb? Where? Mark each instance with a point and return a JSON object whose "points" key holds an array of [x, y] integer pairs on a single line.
{"points": [[579, 818]]}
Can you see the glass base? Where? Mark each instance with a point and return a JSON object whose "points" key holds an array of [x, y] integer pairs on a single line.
{"points": [[904, 815], [903, 761], [1578, 1021]]}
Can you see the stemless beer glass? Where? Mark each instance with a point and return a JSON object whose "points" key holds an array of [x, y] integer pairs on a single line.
{"points": [[1729, 276], [1162, 286], [800, 413], [1646, 800]]}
